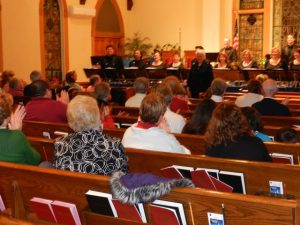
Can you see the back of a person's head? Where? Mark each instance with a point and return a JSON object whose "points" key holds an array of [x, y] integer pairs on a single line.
{"points": [[35, 75], [253, 118], [164, 90], [15, 84], [94, 79], [141, 85], [269, 87], [152, 108], [71, 77], [6, 76], [261, 77], [201, 117], [218, 87], [83, 113], [227, 122], [286, 135], [102, 91], [174, 84], [254, 86], [39, 88]]}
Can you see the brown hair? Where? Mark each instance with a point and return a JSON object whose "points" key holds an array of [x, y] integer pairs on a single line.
{"points": [[152, 108], [223, 53], [164, 90], [254, 86], [227, 122], [5, 109], [174, 84]]}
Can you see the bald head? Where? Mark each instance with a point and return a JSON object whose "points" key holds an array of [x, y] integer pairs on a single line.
{"points": [[270, 88]]}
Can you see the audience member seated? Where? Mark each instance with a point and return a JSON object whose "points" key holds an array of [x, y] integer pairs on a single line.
{"points": [[180, 100], [138, 60], [229, 136], [217, 90], [6, 76], [275, 62], [176, 62], [261, 77], [42, 108], [286, 135], [201, 117], [222, 61], [94, 80], [111, 60], [230, 51], [34, 75], [149, 132], [254, 94], [70, 81], [14, 146], [174, 121], [157, 63], [269, 106], [16, 87], [254, 122], [295, 63], [200, 76], [141, 85], [88, 150], [102, 93], [247, 60]]}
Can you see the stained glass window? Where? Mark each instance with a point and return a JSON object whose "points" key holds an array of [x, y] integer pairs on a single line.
{"points": [[251, 34], [52, 35], [286, 17], [251, 4]]}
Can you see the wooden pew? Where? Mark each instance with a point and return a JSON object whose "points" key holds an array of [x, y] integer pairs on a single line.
{"points": [[257, 174], [282, 121], [53, 184], [195, 143]]}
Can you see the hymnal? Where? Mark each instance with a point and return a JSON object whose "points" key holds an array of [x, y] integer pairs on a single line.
{"points": [[215, 219], [276, 187], [282, 158], [130, 212], [202, 179], [100, 202], [177, 172], [43, 209], [166, 212], [235, 180], [65, 213]]}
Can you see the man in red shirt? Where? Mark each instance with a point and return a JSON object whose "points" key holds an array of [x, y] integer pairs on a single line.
{"points": [[42, 108]]}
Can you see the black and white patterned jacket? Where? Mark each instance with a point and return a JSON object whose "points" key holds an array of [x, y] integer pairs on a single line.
{"points": [[90, 152]]}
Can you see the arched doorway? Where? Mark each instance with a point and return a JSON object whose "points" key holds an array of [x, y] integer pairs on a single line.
{"points": [[53, 32], [107, 27]]}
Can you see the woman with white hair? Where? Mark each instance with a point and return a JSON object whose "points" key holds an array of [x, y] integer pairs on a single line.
{"points": [[200, 76], [88, 150]]}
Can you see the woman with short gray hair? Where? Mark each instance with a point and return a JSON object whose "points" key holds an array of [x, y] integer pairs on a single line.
{"points": [[88, 150]]}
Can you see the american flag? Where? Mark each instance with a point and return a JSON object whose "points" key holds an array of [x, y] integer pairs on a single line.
{"points": [[236, 36]]}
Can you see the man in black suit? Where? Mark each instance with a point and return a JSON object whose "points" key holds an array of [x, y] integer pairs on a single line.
{"points": [[111, 60], [269, 106]]}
